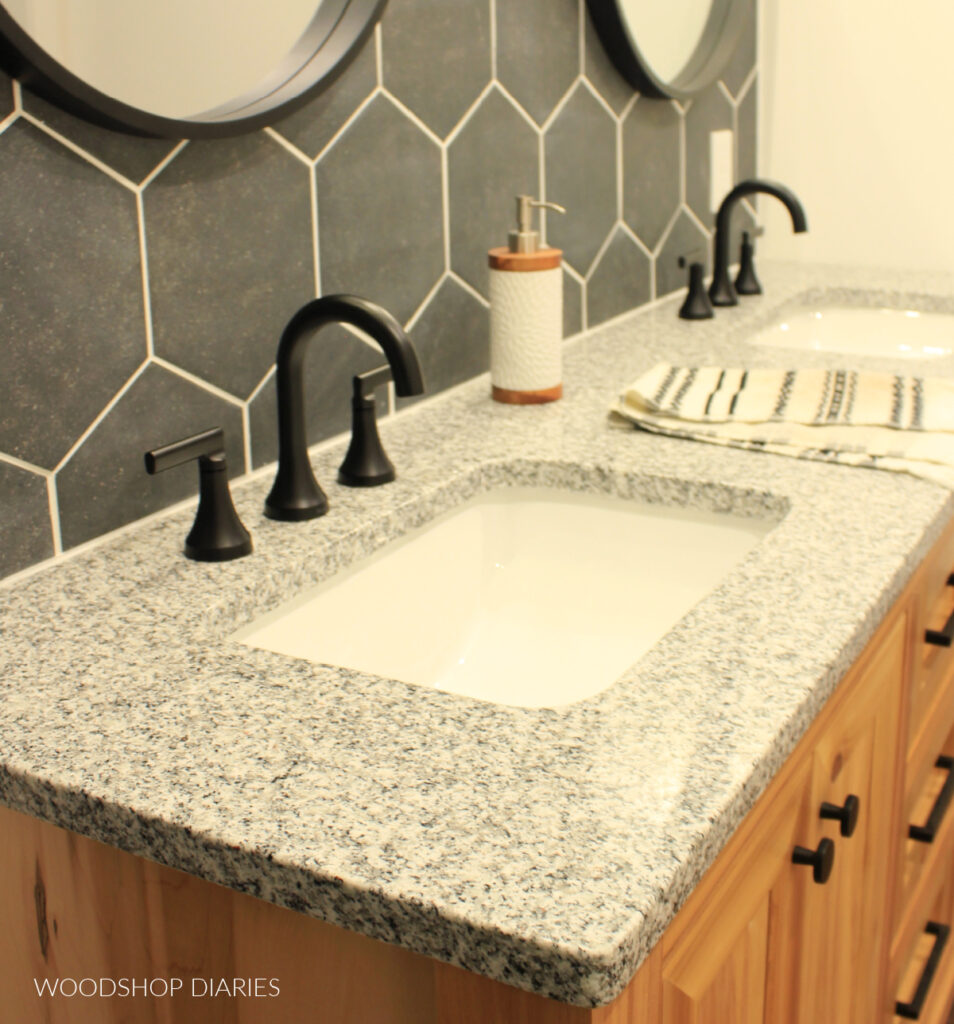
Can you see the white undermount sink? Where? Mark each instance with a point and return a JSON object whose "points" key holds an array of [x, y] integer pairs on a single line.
{"points": [[527, 597], [892, 333]]}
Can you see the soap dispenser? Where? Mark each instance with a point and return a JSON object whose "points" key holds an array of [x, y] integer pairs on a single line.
{"points": [[526, 314]]}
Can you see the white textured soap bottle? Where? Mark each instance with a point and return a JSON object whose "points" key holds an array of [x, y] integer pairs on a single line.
{"points": [[526, 314]]}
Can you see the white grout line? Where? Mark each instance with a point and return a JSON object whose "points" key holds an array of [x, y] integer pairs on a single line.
{"points": [[620, 178], [258, 387], [627, 230], [416, 315], [14, 115], [574, 273], [365, 339], [163, 164], [584, 304], [12, 460], [392, 399], [411, 116], [725, 92], [692, 216], [102, 415], [598, 96], [517, 106], [607, 242], [469, 288], [53, 503], [493, 39], [144, 273], [357, 113], [747, 84], [17, 97], [290, 146], [379, 54], [667, 230], [582, 36], [468, 113], [445, 207], [80, 152], [315, 230], [683, 147], [561, 103], [542, 184], [198, 381], [247, 436], [630, 103]]}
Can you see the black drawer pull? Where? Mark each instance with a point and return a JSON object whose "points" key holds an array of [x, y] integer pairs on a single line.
{"points": [[925, 833], [912, 1010], [847, 816], [942, 637], [821, 860]]}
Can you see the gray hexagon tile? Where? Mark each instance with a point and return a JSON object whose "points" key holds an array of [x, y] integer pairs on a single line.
{"points": [[709, 111], [743, 57], [572, 305], [6, 95], [494, 158], [24, 519], [228, 231], [334, 357], [134, 157], [73, 322], [104, 485], [380, 218], [746, 158], [452, 339], [651, 167], [452, 41], [602, 73], [621, 280], [538, 51], [314, 125], [580, 148], [685, 238]]}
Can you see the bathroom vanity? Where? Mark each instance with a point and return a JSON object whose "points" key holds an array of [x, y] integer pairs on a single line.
{"points": [[181, 805]]}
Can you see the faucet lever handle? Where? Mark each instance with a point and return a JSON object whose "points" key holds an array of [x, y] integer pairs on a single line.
{"points": [[365, 384], [217, 535]]}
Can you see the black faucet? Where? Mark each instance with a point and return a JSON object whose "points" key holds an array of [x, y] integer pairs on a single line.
{"points": [[295, 495], [721, 291]]}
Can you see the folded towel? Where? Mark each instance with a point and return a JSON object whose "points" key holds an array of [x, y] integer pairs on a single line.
{"points": [[877, 420]]}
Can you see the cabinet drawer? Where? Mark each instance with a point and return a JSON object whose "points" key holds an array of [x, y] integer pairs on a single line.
{"points": [[928, 825], [925, 991]]}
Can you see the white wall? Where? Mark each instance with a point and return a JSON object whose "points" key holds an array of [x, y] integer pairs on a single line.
{"points": [[857, 116]]}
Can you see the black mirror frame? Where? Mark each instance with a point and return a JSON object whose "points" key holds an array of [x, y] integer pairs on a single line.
{"points": [[333, 38], [719, 39]]}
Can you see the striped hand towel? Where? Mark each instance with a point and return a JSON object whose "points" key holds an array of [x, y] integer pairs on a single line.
{"points": [[878, 420]]}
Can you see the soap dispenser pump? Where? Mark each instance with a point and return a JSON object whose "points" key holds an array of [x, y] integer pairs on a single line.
{"points": [[526, 313]]}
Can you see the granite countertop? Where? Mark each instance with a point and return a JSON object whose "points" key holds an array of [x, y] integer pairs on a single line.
{"points": [[547, 848]]}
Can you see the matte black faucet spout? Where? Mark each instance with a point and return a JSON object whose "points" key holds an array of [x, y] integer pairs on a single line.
{"points": [[721, 291], [296, 494]]}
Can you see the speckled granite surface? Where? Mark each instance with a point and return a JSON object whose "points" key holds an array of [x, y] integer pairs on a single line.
{"points": [[546, 848]]}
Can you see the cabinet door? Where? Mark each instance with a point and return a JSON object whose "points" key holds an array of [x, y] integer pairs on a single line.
{"points": [[719, 964], [845, 923]]}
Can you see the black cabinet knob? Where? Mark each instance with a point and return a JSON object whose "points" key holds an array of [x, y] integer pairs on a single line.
{"points": [[847, 815], [821, 860]]}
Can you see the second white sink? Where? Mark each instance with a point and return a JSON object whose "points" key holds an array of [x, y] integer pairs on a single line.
{"points": [[527, 597], [893, 333]]}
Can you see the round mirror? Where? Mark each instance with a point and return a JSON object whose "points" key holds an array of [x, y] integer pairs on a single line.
{"points": [[671, 49], [181, 68]]}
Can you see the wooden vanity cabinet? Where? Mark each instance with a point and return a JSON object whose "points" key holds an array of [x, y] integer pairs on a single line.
{"points": [[759, 941]]}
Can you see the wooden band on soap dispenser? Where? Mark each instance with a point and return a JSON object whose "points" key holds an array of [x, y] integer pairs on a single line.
{"points": [[526, 397], [502, 258]]}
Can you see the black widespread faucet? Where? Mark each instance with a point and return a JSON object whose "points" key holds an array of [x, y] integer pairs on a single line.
{"points": [[295, 495], [721, 291]]}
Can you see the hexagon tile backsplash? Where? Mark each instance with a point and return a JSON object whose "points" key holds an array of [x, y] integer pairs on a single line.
{"points": [[144, 282]]}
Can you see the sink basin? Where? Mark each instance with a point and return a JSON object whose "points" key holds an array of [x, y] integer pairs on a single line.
{"points": [[528, 597], [892, 333]]}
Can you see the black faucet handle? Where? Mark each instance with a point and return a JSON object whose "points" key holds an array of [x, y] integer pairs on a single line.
{"points": [[366, 464], [746, 282], [217, 535], [697, 305]]}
